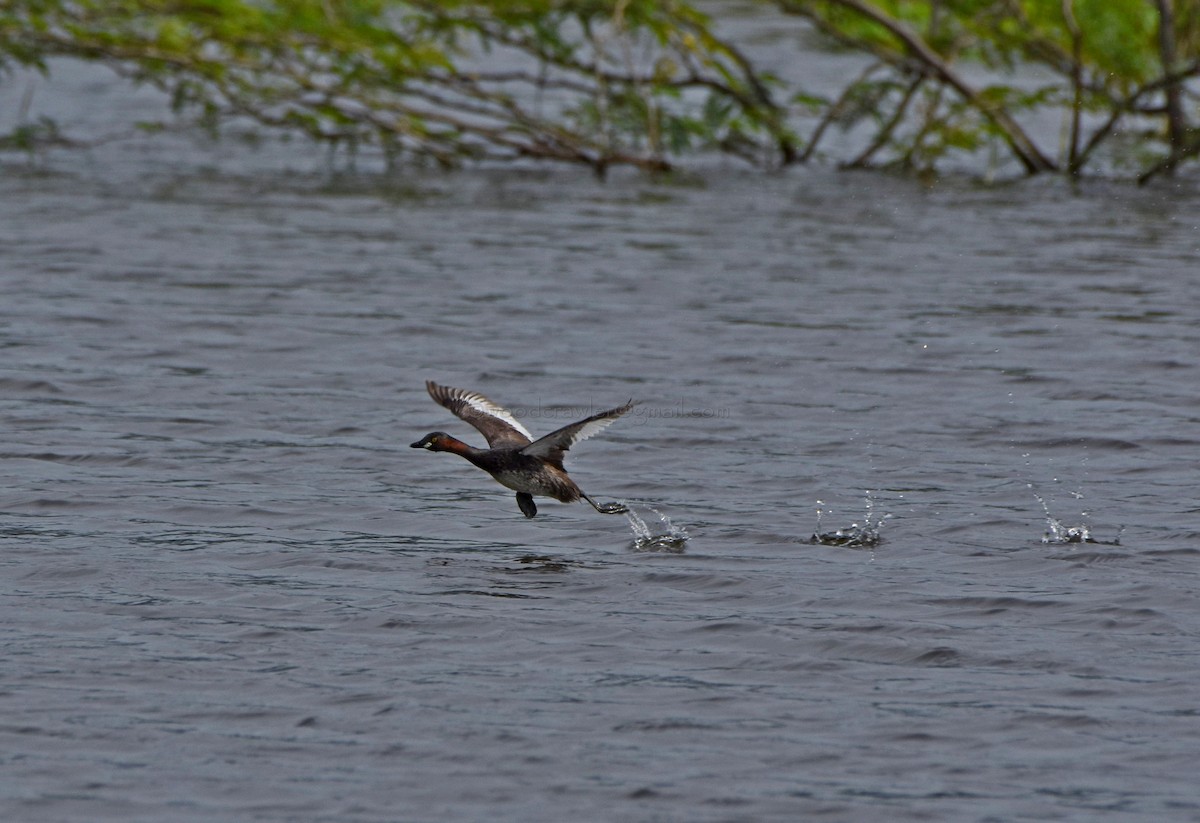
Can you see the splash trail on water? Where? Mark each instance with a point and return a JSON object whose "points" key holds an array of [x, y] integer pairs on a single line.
{"points": [[865, 535], [1059, 532], [671, 539]]}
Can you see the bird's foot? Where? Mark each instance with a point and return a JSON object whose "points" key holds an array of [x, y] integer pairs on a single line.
{"points": [[525, 501], [607, 508]]}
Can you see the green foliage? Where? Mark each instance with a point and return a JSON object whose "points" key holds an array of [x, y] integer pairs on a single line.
{"points": [[591, 82], [30, 137], [1111, 61], [640, 82]]}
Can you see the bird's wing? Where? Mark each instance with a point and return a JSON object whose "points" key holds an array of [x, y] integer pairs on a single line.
{"points": [[494, 422], [552, 446]]}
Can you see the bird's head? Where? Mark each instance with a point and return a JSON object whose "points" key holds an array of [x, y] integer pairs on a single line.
{"points": [[435, 442]]}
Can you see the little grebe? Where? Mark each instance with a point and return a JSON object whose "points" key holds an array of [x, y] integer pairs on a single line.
{"points": [[515, 459]]}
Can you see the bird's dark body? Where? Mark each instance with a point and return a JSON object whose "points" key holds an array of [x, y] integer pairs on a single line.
{"points": [[523, 473]]}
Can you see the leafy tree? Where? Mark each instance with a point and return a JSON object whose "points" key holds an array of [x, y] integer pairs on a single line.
{"points": [[639, 82], [1113, 63], [632, 82]]}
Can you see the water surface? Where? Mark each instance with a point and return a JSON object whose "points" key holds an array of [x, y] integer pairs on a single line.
{"points": [[230, 591]]}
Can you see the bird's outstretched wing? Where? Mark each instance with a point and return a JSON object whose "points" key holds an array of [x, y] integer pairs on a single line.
{"points": [[552, 446], [493, 421]]}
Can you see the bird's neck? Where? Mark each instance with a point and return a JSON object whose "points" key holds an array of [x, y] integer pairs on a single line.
{"points": [[451, 444]]}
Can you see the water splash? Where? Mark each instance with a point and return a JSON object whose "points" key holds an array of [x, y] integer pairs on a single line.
{"points": [[865, 535], [671, 539], [1059, 532]]}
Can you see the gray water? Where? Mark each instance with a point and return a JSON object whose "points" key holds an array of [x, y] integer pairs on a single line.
{"points": [[229, 591]]}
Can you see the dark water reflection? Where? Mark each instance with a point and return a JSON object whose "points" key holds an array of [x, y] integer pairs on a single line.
{"points": [[231, 592]]}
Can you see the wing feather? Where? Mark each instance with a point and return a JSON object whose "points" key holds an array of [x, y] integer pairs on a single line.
{"points": [[555, 444], [493, 421]]}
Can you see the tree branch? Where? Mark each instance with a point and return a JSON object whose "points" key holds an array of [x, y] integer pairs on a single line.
{"points": [[1022, 146]]}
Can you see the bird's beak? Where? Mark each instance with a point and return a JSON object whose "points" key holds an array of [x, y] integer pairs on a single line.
{"points": [[417, 445]]}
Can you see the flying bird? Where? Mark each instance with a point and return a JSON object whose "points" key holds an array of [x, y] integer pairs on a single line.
{"points": [[527, 466]]}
